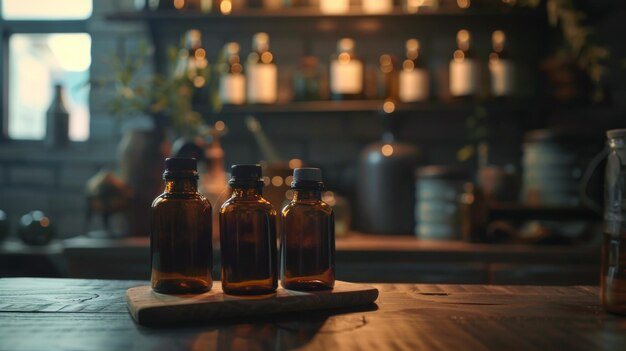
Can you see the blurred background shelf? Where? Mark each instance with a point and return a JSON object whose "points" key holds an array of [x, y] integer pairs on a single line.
{"points": [[371, 258]]}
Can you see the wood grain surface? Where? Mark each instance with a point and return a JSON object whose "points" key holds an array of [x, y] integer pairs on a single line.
{"points": [[150, 308], [64, 314]]}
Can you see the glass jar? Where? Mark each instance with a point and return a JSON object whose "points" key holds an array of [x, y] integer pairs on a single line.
{"points": [[613, 275]]}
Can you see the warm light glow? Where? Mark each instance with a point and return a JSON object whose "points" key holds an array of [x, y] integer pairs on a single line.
{"points": [[179, 4], [45, 222], [266, 180], [497, 40], [344, 58], [200, 54], [464, 4], [462, 36], [493, 57], [288, 180], [334, 6], [295, 163], [408, 65], [329, 198], [266, 57], [289, 194], [459, 56], [220, 125], [236, 68], [199, 82], [387, 150], [277, 181], [226, 7], [389, 106], [385, 60]]}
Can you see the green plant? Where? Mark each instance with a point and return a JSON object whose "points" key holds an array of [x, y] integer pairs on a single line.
{"points": [[578, 39], [167, 98]]}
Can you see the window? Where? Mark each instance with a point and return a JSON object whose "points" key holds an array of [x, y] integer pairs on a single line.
{"points": [[46, 46]]}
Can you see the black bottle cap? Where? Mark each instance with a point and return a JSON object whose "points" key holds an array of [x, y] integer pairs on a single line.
{"points": [[307, 177], [245, 175], [180, 167]]}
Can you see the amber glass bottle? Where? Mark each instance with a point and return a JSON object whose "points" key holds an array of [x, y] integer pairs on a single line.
{"points": [[308, 236], [248, 235], [180, 232]]}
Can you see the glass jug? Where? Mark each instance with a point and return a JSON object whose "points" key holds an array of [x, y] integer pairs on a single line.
{"points": [[613, 274]]}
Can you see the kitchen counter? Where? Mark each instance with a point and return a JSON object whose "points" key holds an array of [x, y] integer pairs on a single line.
{"points": [[61, 314]]}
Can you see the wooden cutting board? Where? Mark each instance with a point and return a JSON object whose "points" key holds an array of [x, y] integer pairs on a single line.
{"points": [[150, 308]]}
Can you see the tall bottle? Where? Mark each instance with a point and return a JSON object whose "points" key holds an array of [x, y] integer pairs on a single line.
{"points": [[262, 73], [308, 236], [57, 120], [180, 232], [232, 88], [346, 72], [463, 68], [248, 235], [193, 66], [414, 77], [501, 68]]}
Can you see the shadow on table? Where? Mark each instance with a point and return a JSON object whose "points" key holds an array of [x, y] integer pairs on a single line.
{"points": [[271, 332]]}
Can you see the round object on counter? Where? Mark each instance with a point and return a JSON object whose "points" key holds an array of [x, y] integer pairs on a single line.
{"points": [[35, 228]]}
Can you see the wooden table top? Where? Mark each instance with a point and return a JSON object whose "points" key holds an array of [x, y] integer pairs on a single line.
{"points": [[64, 314]]}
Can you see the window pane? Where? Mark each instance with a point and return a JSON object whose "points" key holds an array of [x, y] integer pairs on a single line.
{"points": [[36, 63], [46, 9]]}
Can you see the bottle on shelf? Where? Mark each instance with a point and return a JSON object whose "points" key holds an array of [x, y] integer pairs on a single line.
{"points": [[308, 235], [232, 86], [377, 6], [501, 68], [346, 72], [181, 232], [262, 73], [334, 7], [414, 78], [388, 82], [193, 67], [464, 73], [308, 80], [248, 235], [57, 120]]}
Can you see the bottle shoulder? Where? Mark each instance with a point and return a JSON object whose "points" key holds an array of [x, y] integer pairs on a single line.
{"points": [[170, 198], [251, 203], [307, 206]]}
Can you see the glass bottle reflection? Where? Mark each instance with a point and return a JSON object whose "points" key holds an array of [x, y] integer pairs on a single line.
{"points": [[308, 236], [180, 232], [248, 235]]}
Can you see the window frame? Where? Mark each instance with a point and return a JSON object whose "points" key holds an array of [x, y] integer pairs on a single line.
{"points": [[10, 27]]}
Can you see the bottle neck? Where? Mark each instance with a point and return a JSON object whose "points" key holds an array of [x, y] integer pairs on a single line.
{"points": [[181, 185], [246, 192], [307, 195]]}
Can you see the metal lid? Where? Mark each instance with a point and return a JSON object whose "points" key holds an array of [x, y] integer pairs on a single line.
{"points": [[307, 175], [180, 167], [616, 133]]}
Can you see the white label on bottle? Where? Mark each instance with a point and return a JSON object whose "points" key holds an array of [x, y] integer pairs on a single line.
{"points": [[502, 77], [346, 78], [233, 89], [463, 77], [262, 83], [334, 6], [414, 85], [377, 6]]}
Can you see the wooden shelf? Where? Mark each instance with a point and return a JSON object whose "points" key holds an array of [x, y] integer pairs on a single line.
{"points": [[307, 12], [370, 106]]}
